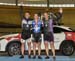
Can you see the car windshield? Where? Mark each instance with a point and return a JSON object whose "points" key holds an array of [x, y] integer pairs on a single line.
{"points": [[59, 29]]}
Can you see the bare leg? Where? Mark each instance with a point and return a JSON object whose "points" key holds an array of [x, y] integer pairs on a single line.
{"points": [[29, 48], [52, 48], [22, 49], [39, 48], [46, 48], [34, 48]]}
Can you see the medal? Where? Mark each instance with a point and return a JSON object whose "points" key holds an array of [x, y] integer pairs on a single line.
{"points": [[46, 25], [27, 25]]}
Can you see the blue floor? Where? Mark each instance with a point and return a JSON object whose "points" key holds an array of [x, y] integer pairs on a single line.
{"points": [[16, 58]]}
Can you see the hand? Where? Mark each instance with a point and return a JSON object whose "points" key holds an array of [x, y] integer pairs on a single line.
{"points": [[60, 10]]}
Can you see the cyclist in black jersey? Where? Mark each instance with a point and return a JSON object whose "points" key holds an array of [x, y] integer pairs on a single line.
{"points": [[26, 34]]}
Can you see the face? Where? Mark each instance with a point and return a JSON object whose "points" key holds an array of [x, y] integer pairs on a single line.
{"points": [[27, 15], [46, 16], [36, 17]]}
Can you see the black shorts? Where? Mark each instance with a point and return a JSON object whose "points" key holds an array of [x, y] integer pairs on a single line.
{"points": [[49, 37], [37, 37], [25, 34]]}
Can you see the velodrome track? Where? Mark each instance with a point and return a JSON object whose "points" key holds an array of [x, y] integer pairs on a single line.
{"points": [[16, 58], [59, 57]]}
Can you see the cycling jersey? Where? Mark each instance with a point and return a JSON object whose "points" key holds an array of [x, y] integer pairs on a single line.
{"points": [[26, 24], [48, 30], [37, 27], [26, 28], [48, 26]]}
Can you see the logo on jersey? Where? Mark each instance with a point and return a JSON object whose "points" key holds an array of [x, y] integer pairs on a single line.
{"points": [[36, 28]]}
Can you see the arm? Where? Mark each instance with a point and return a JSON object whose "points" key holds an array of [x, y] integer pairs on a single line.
{"points": [[51, 24], [32, 28], [59, 14], [42, 27], [22, 24]]}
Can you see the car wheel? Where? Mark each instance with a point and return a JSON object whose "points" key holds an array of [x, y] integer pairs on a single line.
{"points": [[14, 49], [67, 48]]}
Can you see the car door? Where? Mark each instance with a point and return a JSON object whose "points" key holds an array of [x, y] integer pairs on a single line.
{"points": [[59, 36]]}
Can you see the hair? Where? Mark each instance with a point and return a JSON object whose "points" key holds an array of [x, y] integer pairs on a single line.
{"points": [[27, 12], [36, 13], [46, 12]]}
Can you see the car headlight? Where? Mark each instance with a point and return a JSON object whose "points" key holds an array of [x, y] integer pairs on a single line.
{"points": [[69, 34]]}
